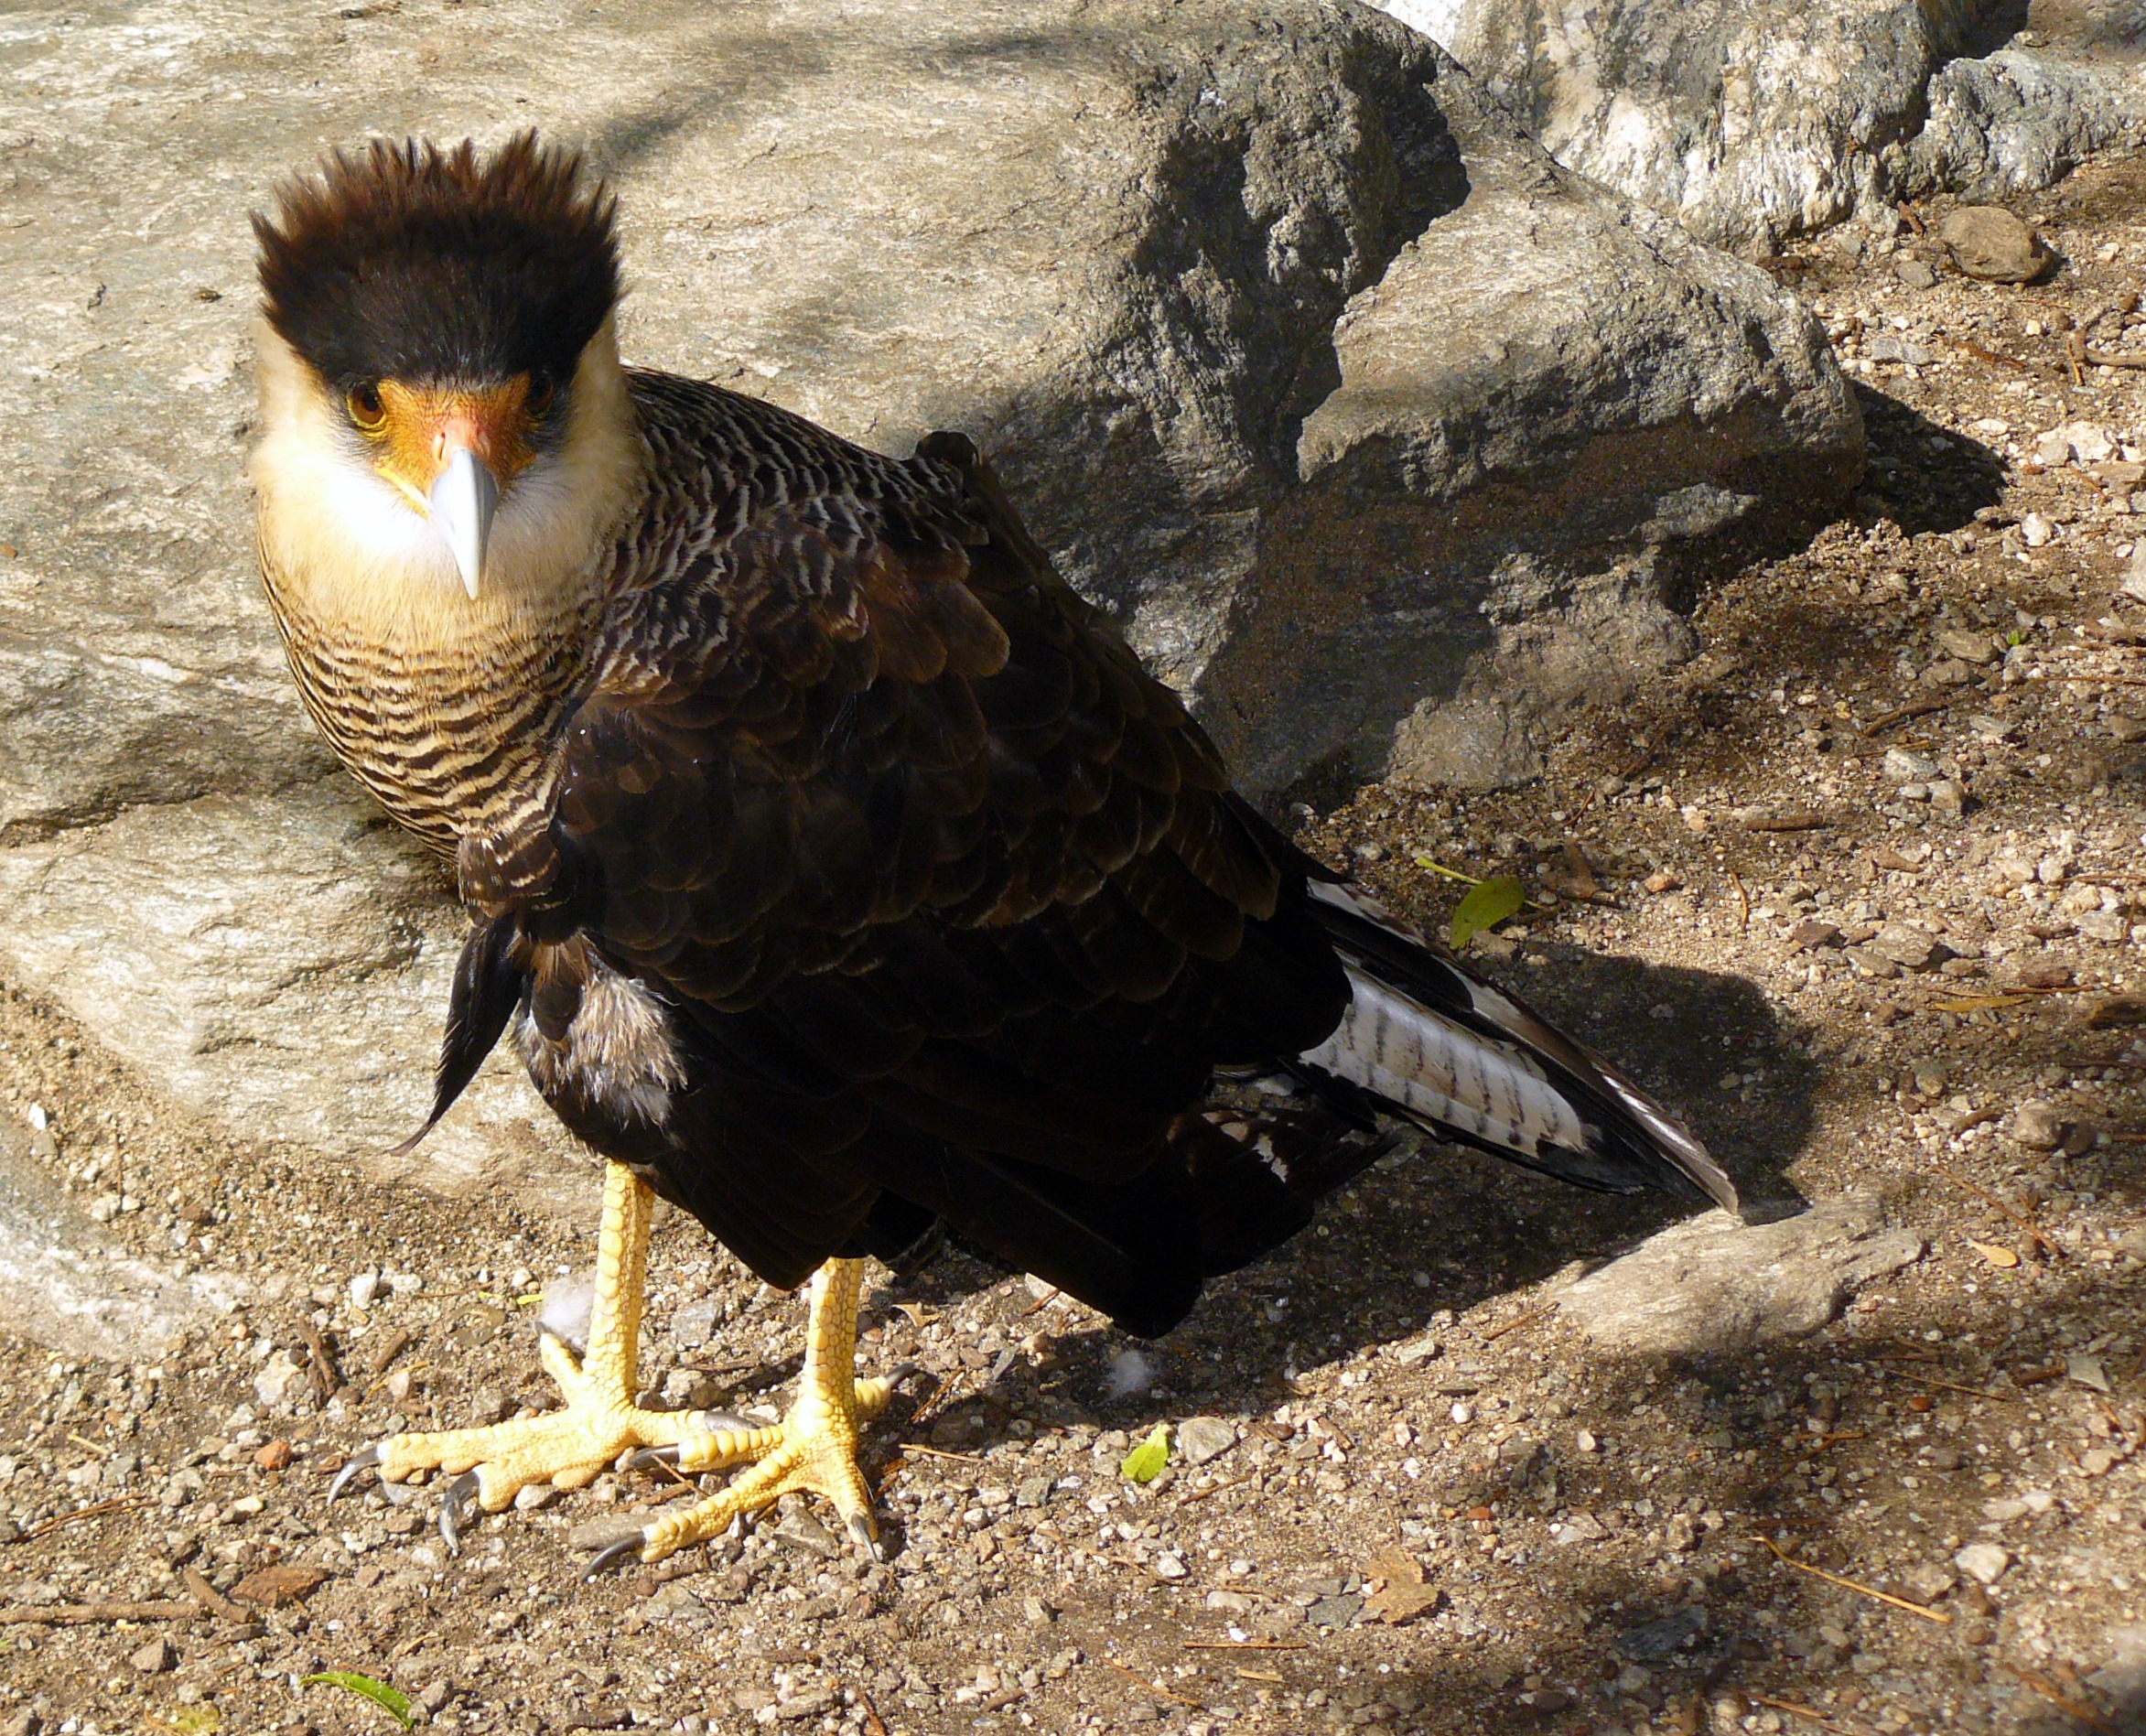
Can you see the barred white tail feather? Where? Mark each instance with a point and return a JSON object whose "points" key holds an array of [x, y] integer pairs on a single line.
{"points": [[1427, 1066], [1438, 1045]]}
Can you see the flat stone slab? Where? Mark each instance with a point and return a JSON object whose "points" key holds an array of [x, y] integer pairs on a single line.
{"points": [[1713, 1283]]}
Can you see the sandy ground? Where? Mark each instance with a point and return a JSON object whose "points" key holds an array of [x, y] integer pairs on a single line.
{"points": [[1856, 892]]}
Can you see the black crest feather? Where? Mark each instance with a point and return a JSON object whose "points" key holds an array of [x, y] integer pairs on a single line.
{"points": [[408, 262]]}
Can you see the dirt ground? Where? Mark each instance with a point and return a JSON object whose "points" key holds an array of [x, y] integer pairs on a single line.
{"points": [[1855, 891]]}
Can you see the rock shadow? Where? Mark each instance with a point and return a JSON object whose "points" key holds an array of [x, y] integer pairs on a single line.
{"points": [[1923, 476]]}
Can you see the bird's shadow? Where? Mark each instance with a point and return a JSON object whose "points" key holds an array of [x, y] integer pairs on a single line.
{"points": [[1431, 1229]]}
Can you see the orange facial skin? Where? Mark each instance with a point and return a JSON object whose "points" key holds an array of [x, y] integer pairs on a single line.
{"points": [[415, 428]]}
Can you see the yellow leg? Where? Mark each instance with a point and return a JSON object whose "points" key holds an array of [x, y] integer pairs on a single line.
{"points": [[569, 1448], [813, 1448]]}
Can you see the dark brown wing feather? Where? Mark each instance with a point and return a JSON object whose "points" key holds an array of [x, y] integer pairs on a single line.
{"points": [[944, 896]]}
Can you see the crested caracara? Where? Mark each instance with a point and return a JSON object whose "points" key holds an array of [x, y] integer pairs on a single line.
{"points": [[838, 872]]}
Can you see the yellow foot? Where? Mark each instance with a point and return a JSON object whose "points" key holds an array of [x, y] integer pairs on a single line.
{"points": [[567, 1449], [812, 1451], [813, 1448]]}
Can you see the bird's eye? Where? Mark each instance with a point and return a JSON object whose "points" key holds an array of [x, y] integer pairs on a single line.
{"points": [[539, 396], [367, 412]]}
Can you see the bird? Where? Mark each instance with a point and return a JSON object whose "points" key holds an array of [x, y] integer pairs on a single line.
{"points": [[837, 871]]}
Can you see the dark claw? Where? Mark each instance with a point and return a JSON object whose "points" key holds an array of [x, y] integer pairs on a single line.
{"points": [[860, 1529], [455, 1509], [362, 1459], [641, 1458], [609, 1556]]}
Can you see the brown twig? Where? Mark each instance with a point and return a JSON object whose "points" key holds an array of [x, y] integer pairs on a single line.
{"points": [[321, 1372], [1191, 1495], [1796, 1708], [1801, 820], [1151, 1686], [873, 1724], [1954, 1386], [210, 1598], [1514, 1325], [935, 1452], [1989, 1199], [2064, 1702], [1901, 713], [1999, 357], [1788, 1560], [1246, 1646], [118, 1503], [82, 1615], [2115, 358], [397, 1343], [1736, 880], [1042, 1301]]}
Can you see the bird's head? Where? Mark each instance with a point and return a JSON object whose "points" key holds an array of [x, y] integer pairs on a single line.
{"points": [[441, 321]]}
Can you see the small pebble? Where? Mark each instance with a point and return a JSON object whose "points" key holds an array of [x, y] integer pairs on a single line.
{"points": [[154, 1658], [1985, 1562]]}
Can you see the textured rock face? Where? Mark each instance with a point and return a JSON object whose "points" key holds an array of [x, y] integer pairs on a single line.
{"points": [[1276, 329], [1551, 409], [1752, 123]]}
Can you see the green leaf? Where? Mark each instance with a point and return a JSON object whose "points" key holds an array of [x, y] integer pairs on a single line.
{"points": [[1487, 904], [1144, 1462], [394, 1701]]}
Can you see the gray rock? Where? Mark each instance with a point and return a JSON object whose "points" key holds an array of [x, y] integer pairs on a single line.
{"points": [[1687, 108], [1334, 1612], [1983, 1562], [1383, 436], [1202, 1438], [1653, 1642], [1549, 383], [1969, 647], [1929, 1581], [1914, 274], [1990, 243], [1909, 947], [278, 965], [154, 1658], [2038, 1125], [65, 1285], [1712, 1283], [2123, 1677], [2020, 121], [1904, 765]]}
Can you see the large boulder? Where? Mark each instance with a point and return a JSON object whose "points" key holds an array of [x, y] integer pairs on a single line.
{"points": [[1751, 122], [1381, 434]]}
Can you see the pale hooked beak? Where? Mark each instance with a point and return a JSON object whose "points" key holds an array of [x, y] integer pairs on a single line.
{"points": [[463, 498]]}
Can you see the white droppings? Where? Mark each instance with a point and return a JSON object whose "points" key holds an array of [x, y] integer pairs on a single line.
{"points": [[1130, 1374], [567, 1304]]}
